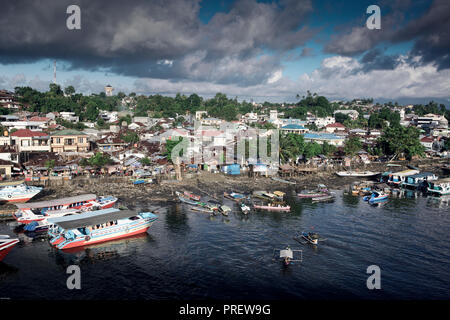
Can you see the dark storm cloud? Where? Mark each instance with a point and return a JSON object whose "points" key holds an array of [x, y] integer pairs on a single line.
{"points": [[429, 33], [158, 39], [376, 60]]}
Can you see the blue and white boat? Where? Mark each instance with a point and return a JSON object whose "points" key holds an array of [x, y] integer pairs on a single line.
{"points": [[376, 196], [98, 226], [17, 191], [418, 181]]}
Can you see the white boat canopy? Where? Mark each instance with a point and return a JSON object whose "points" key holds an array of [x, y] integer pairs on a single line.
{"points": [[91, 218], [56, 202]]}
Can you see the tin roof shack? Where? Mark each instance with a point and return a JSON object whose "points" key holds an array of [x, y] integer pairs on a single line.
{"points": [[231, 169]]}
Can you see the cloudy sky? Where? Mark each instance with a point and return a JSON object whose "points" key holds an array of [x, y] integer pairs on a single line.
{"points": [[265, 50]]}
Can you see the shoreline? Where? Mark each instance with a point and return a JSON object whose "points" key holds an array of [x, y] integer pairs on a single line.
{"points": [[204, 183]]}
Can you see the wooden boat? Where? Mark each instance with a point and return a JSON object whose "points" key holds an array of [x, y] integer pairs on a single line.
{"points": [[328, 197], [320, 191], [356, 173], [377, 196], [6, 244], [234, 196], [311, 237], [262, 195], [272, 207], [279, 194], [200, 209], [439, 187], [98, 226], [224, 210], [191, 196], [282, 180], [41, 210]]}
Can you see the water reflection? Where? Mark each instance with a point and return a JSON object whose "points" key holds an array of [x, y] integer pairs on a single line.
{"points": [[101, 252], [177, 219]]}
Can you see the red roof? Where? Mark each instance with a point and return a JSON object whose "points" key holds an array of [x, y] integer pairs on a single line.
{"points": [[39, 119], [335, 125], [427, 139], [28, 133]]}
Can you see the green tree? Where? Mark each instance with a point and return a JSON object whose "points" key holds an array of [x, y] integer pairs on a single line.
{"points": [[50, 164], [398, 140], [70, 90], [291, 146], [145, 161], [170, 144], [352, 146]]}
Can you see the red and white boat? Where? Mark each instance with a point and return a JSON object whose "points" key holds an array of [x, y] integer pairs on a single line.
{"points": [[191, 196], [6, 244], [17, 191], [38, 211]]}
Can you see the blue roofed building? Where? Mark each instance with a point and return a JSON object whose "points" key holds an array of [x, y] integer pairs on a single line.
{"points": [[320, 138], [294, 128]]}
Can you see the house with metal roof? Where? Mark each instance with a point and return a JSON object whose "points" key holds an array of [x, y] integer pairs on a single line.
{"points": [[320, 138], [294, 128]]}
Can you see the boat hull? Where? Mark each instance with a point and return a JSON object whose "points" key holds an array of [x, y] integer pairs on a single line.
{"points": [[117, 235], [6, 247], [272, 208]]}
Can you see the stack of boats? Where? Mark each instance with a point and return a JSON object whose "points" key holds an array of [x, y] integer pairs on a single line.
{"points": [[35, 215], [272, 201], [320, 194], [196, 205]]}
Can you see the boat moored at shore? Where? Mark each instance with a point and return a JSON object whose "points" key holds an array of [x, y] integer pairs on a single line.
{"points": [[98, 226], [375, 197], [397, 178], [17, 191], [38, 211], [418, 181], [439, 187]]}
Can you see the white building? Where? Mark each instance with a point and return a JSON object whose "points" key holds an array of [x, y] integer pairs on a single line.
{"points": [[69, 116], [353, 114]]}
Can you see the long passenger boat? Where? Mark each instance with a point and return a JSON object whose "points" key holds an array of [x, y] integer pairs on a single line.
{"points": [[38, 211], [98, 226], [17, 191], [439, 187]]}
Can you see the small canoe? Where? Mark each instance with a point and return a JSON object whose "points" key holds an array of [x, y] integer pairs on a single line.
{"points": [[323, 198], [191, 196], [283, 181], [272, 208]]}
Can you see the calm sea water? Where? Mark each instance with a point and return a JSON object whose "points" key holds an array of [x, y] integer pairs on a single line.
{"points": [[190, 255]]}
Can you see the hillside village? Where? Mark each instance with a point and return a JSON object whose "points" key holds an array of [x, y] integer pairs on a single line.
{"points": [[130, 140]]}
